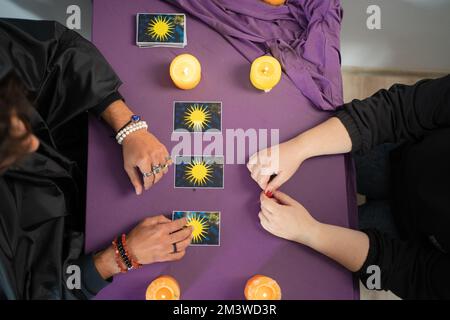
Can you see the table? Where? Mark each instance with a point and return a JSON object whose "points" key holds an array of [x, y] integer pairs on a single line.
{"points": [[324, 185]]}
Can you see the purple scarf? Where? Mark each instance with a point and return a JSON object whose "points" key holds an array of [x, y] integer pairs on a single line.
{"points": [[303, 35]]}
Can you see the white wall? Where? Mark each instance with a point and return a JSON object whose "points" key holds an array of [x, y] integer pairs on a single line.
{"points": [[414, 35]]}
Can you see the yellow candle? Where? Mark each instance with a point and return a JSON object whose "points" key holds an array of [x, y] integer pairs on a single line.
{"points": [[260, 287], [275, 2], [265, 73], [163, 288], [185, 71]]}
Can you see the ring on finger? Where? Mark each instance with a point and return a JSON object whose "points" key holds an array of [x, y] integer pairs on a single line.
{"points": [[156, 169], [147, 174], [174, 248]]}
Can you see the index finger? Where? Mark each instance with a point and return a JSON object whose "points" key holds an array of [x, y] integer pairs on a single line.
{"points": [[177, 224]]}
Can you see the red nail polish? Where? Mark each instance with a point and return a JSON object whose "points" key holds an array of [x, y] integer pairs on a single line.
{"points": [[269, 194]]}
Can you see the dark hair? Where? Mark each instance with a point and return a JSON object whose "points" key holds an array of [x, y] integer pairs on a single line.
{"points": [[13, 102]]}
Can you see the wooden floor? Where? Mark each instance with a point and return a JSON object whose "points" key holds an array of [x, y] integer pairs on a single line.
{"points": [[362, 83]]}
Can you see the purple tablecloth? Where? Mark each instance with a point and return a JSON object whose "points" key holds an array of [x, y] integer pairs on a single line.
{"points": [[324, 185]]}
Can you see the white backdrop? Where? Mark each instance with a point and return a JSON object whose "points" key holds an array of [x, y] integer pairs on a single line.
{"points": [[414, 35]]}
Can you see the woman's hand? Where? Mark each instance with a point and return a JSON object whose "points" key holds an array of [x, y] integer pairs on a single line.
{"points": [[153, 239], [286, 218], [329, 137], [282, 161], [142, 151]]}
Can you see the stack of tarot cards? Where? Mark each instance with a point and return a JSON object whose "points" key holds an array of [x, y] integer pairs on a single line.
{"points": [[161, 30]]}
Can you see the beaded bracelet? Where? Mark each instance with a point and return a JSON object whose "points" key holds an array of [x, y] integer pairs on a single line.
{"points": [[135, 126], [124, 259], [134, 263], [123, 254], [118, 258]]}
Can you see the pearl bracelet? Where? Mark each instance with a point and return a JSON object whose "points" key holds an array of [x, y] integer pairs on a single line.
{"points": [[132, 127]]}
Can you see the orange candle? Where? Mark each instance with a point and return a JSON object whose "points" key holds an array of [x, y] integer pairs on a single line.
{"points": [[163, 288], [265, 73], [185, 71], [275, 2], [260, 287]]}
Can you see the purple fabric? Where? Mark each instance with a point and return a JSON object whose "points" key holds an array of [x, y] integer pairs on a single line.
{"points": [[323, 185], [303, 35]]}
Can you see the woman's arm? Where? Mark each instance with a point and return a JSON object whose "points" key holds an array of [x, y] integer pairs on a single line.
{"points": [[288, 219], [329, 137], [412, 270], [346, 246], [398, 114]]}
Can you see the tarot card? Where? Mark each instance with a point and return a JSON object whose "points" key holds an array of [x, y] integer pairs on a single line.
{"points": [[161, 30], [199, 172], [205, 224], [197, 116]]}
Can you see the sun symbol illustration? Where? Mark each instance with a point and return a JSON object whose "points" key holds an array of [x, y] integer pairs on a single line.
{"points": [[198, 172], [200, 227], [197, 117], [160, 28]]}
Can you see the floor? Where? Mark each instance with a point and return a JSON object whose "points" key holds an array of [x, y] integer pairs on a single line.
{"points": [[359, 84]]}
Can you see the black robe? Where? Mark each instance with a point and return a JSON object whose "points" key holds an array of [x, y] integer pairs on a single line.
{"points": [[41, 198]]}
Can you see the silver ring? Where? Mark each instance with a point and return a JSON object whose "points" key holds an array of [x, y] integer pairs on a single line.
{"points": [[147, 174], [156, 169], [165, 166], [168, 158]]}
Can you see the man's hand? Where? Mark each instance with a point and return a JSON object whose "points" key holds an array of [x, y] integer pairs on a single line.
{"points": [[142, 151], [150, 241]]}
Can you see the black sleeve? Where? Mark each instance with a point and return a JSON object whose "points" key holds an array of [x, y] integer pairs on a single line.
{"points": [[65, 73], [412, 270], [91, 280], [398, 114], [102, 106]]}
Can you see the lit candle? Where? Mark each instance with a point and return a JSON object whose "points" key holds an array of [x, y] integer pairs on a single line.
{"points": [[275, 2], [260, 287], [265, 73], [163, 288], [185, 71]]}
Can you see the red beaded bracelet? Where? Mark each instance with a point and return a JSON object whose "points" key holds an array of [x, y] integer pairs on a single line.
{"points": [[119, 262], [134, 263]]}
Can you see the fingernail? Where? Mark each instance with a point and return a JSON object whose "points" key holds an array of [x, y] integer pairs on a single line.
{"points": [[137, 192], [269, 194]]}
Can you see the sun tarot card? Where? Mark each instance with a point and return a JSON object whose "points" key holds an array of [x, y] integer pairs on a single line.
{"points": [[199, 172], [197, 116], [206, 226], [161, 30]]}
